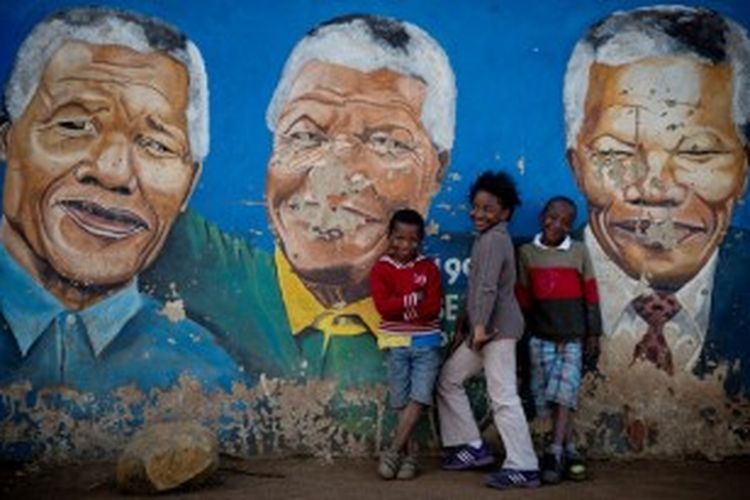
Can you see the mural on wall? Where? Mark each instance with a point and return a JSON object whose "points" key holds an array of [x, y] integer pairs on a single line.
{"points": [[657, 104], [108, 129], [121, 307], [362, 120]]}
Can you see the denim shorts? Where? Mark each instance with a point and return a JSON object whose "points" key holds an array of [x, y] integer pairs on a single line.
{"points": [[412, 372]]}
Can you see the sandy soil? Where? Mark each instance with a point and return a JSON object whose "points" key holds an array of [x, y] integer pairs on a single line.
{"points": [[356, 479]]}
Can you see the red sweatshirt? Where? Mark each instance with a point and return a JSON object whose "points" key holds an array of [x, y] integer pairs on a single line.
{"points": [[407, 296]]}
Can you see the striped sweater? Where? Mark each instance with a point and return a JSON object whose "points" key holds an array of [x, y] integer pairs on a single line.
{"points": [[557, 291], [407, 296]]}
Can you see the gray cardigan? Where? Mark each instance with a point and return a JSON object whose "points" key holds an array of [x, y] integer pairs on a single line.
{"points": [[490, 298]]}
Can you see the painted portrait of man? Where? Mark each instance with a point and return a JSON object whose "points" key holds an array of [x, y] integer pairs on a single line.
{"points": [[362, 121], [657, 103], [107, 130]]}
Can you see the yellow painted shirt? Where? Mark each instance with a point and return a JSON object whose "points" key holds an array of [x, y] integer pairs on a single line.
{"points": [[303, 310]]}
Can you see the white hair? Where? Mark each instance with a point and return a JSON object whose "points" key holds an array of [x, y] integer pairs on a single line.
{"points": [[369, 43], [96, 25], [624, 37]]}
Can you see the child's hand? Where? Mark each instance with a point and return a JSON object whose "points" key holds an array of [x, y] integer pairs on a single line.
{"points": [[460, 328], [591, 352], [457, 340], [480, 338]]}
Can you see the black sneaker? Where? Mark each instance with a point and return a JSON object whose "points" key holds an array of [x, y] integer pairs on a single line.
{"points": [[575, 467], [552, 468]]}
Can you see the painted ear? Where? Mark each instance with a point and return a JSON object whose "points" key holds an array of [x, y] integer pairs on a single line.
{"points": [[574, 160], [743, 190], [4, 131], [193, 184], [444, 158]]}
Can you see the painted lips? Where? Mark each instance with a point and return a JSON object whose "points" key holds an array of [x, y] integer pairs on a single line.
{"points": [[112, 223], [329, 222], [641, 229]]}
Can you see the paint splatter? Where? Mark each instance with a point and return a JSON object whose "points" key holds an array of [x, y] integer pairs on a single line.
{"points": [[174, 310], [521, 165]]}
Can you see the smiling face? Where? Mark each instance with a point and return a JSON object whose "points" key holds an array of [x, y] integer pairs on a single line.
{"points": [[556, 221], [487, 210], [404, 241], [98, 165], [661, 163], [349, 150]]}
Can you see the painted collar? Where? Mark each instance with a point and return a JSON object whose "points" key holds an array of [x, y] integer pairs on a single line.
{"points": [[29, 308]]}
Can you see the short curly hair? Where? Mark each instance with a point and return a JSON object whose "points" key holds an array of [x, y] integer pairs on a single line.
{"points": [[407, 216], [560, 199], [500, 185]]}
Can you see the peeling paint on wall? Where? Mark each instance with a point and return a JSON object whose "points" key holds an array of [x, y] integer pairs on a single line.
{"points": [[644, 412], [276, 417]]}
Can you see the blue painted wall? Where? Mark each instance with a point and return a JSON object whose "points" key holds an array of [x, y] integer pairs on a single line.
{"points": [[509, 59]]}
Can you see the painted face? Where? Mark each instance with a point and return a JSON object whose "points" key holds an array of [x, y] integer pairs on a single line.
{"points": [[661, 163], [486, 211], [98, 165], [349, 150], [557, 222], [404, 242]]}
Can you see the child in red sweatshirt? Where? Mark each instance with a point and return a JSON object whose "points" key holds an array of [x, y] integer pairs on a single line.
{"points": [[407, 293]]}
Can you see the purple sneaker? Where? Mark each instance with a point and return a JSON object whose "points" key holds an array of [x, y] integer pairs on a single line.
{"points": [[513, 478], [467, 457]]}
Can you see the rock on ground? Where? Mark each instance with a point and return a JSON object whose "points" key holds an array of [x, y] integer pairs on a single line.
{"points": [[167, 456]]}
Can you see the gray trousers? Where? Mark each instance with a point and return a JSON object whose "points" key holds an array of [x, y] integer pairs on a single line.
{"points": [[457, 424]]}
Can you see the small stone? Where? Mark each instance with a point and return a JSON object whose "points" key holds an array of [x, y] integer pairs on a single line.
{"points": [[167, 456]]}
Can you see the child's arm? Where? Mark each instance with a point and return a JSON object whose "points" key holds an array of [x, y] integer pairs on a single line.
{"points": [[390, 306], [591, 296], [523, 287], [494, 252], [593, 313]]}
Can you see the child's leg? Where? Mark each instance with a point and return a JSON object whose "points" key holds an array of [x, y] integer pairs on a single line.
{"points": [[412, 447], [499, 357], [424, 367], [568, 441], [457, 424], [561, 420], [539, 374], [407, 420], [567, 394], [398, 389]]}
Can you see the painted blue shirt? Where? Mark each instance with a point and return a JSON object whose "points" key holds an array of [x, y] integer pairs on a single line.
{"points": [[122, 340]]}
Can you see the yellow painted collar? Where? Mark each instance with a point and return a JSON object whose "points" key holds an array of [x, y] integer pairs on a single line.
{"points": [[303, 309]]}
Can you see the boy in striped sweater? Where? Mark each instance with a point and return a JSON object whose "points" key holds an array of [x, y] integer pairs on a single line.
{"points": [[557, 292], [406, 289]]}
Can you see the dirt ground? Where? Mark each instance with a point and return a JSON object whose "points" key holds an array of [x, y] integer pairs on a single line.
{"points": [[356, 479]]}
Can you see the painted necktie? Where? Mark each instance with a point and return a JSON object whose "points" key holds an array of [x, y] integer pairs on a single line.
{"points": [[655, 309]]}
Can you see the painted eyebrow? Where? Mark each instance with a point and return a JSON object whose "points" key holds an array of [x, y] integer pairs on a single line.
{"points": [[159, 126], [89, 107], [614, 138], [388, 127], [306, 118], [153, 123], [719, 144]]}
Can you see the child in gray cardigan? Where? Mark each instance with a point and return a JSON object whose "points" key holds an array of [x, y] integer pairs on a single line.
{"points": [[495, 324]]}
